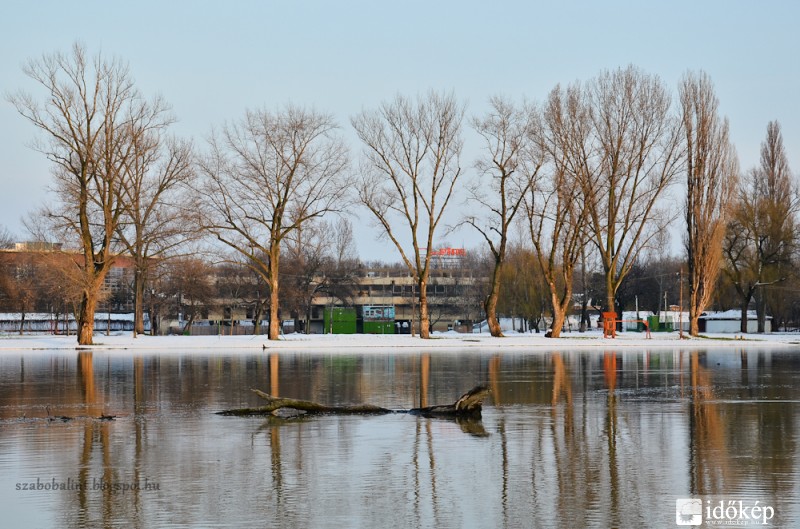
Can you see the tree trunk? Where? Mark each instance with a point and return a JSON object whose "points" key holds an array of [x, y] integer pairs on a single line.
{"points": [[743, 325], [86, 317], [761, 311], [559, 315], [187, 329], [153, 322], [584, 315], [490, 306], [424, 317], [274, 301], [694, 314], [694, 324], [611, 303], [138, 302], [257, 318], [274, 319]]}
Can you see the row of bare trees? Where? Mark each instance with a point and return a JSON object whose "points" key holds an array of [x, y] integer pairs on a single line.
{"points": [[586, 167], [589, 168], [593, 165]]}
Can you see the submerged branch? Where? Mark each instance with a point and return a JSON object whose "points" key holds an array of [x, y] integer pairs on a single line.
{"points": [[468, 405]]}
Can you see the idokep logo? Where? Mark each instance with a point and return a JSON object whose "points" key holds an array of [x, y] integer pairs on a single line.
{"points": [[689, 511], [713, 512]]}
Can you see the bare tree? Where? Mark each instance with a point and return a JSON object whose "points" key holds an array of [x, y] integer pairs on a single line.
{"points": [[6, 239], [257, 296], [712, 173], [344, 249], [8, 279], [409, 173], [554, 206], [522, 290], [90, 118], [761, 238], [19, 277], [341, 269], [506, 172], [153, 224], [157, 300], [264, 178], [635, 155], [321, 258], [306, 255], [742, 263], [780, 206], [188, 280]]}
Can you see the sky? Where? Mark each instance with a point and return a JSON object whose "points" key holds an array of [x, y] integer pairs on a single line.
{"points": [[214, 60]]}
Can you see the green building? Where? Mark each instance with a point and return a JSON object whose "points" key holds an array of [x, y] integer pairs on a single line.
{"points": [[339, 320]]}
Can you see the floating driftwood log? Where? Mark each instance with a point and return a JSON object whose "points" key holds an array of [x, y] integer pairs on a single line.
{"points": [[467, 406]]}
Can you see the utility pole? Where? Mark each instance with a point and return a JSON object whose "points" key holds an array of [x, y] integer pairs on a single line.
{"points": [[680, 307]]}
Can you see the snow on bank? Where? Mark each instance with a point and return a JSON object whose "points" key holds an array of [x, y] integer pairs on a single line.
{"points": [[386, 343]]}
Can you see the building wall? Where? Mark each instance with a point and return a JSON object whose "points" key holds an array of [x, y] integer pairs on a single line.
{"points": [[733, 326], [451, 297]]}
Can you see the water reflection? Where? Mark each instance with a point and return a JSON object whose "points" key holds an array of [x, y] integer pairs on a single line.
{"points": [[708, 450], [568, 439]]}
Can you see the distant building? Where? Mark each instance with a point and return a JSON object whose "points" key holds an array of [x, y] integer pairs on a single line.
{"points": [[34, 275], [731, 321], [53, 323]]}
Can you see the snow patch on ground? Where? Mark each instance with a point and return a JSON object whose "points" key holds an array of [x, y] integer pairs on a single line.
{"points": [[390, 343]]}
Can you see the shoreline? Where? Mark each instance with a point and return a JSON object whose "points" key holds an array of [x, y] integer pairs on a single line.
{"points": [[439, 341]]}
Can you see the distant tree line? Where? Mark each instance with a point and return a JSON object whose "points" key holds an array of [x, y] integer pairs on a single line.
{"points": [[572, 196]]}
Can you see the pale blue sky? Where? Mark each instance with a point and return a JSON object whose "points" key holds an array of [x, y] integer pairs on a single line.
{"points": [[212, 60]]}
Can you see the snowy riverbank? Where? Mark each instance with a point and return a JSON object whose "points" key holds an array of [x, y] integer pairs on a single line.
{"points": [[364, 343]]}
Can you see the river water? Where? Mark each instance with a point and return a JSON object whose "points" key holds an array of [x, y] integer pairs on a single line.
{"points": [[567, 439]]}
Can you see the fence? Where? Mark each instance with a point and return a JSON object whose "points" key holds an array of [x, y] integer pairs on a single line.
{"points": [[218, 330], [40, 323]]}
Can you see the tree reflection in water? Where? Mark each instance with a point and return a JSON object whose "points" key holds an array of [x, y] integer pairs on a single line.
{"points": [[570, 438], [708, 447]]}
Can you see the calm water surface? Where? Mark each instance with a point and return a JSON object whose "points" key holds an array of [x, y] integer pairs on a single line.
{"points": [[570, 439]]}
